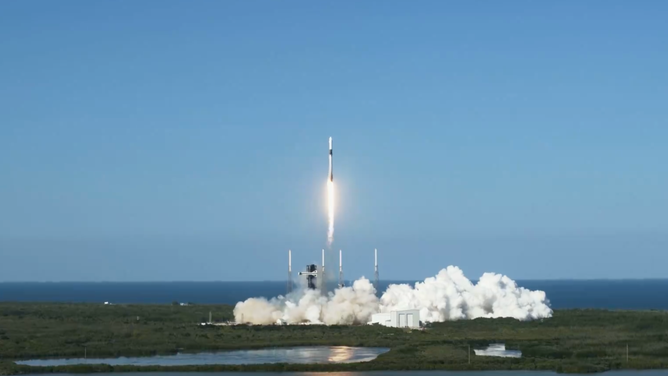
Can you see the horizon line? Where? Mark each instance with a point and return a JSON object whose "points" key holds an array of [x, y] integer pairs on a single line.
{"points": [[382, 280]]}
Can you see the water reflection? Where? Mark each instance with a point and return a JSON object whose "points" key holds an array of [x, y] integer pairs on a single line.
{"points": [[339, 355], [302, 355], [344, 354]]}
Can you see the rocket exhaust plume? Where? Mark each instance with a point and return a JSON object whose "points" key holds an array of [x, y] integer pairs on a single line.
{"points": [[330, 199], [447, 296]]}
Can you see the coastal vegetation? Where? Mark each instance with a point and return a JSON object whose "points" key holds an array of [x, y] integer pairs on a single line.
{"points": [[571, 341]]}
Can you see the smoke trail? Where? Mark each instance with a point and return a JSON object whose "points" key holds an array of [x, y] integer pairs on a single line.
{"points": [[330, 207], [447, 296]]}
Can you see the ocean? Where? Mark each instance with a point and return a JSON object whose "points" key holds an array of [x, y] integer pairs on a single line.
{"points": [[609, 294]]}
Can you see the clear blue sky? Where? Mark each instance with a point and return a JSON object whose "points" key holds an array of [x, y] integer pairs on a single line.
{"points": [[187, 140]]}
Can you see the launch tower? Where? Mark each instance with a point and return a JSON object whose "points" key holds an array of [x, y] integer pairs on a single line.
{"points": [[311, 274], [375, 274], [340, 269], [289, 287]]}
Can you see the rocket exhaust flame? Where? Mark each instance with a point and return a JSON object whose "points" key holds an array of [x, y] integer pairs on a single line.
{"points": [[330, 207]]}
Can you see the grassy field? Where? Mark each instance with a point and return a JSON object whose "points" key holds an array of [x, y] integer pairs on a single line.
{"points": [[571, 341]]}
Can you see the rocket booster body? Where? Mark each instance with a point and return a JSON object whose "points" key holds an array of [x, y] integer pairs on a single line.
{"points": [[331, 171]]}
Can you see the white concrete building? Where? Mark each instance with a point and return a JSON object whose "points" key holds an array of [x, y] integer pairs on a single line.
{"points": [[398, 319]]}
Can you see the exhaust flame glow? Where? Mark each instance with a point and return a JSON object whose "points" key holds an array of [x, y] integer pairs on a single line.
{"points": [[330, 207]]}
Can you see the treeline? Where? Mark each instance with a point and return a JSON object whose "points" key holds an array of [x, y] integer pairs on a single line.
{"points": [[571, 341]]}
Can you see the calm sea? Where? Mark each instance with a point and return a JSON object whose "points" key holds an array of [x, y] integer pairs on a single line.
{"points": [[611, 294]]}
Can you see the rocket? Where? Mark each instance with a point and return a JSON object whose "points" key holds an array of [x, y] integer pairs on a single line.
{"points": [[331, 171]]}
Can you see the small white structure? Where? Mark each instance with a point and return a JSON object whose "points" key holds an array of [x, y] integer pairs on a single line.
{"points": [[398, 319], [498, 349]]}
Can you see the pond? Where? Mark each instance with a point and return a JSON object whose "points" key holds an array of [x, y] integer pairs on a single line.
{"points": [[303, 355]]}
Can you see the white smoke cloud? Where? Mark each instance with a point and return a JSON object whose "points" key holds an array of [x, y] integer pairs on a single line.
{"points": [[451, 296], [346, 305], [447, 296]]}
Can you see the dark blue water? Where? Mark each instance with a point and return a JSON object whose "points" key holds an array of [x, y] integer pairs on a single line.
{"points": [[610, 294]]}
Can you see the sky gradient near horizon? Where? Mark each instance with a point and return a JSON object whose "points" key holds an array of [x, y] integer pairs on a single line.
{"points": [[175, 140]]}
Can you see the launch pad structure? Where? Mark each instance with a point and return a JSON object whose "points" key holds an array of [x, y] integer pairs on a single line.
{"points": [[315, 274], [315, 277]]}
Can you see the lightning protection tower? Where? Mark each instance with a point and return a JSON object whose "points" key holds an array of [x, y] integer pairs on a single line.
{"points": [[323, 278], [289, 287], [375, 274], [340, 269]]}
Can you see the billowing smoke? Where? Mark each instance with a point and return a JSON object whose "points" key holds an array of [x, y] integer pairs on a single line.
{"points": [[447, 296], [451, 296], [346, 305]]}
